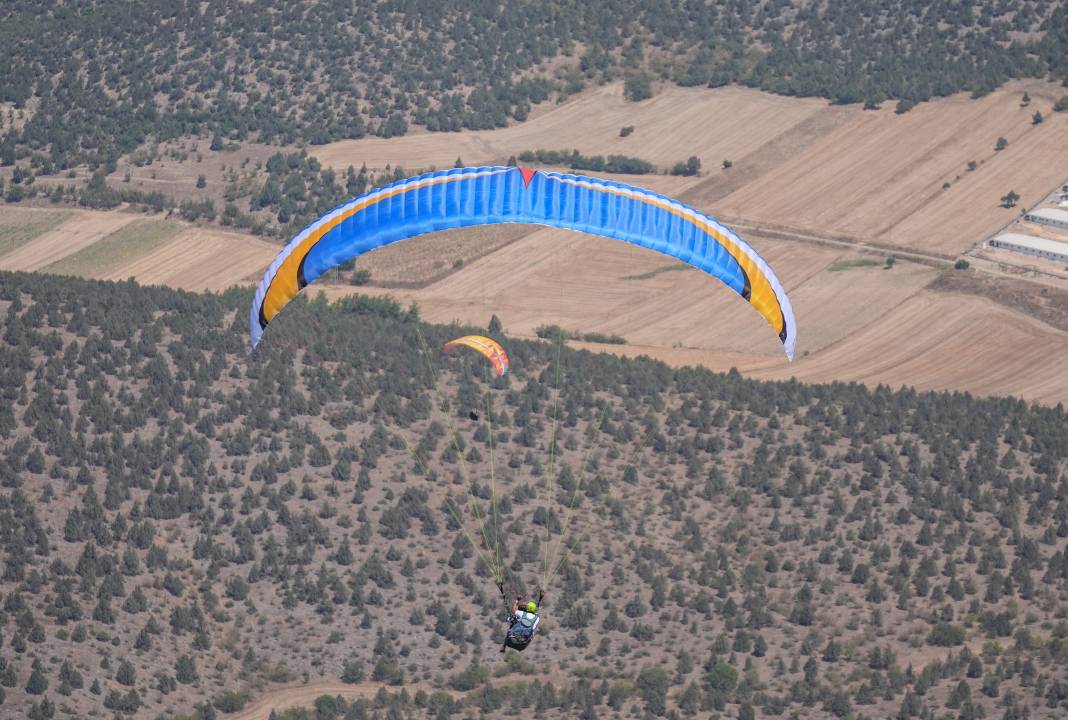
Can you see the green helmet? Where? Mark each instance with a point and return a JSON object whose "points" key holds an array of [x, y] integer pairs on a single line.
{"points": [[532, 606]]}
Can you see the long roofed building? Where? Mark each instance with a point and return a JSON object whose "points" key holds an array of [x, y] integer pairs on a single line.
{"points": [[1031, 245]]}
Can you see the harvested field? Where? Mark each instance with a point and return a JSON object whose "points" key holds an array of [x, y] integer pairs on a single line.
{"points": [[724, 123], [880, 176], [746, 169], [573, 280], [592, 284], [80, 229], [934, 341], [843, 299], [19, 226], [201, 259], [118, 249]]}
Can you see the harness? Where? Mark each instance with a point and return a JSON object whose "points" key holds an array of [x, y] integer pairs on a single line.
{"points": [[522, 630], [523, 625]]}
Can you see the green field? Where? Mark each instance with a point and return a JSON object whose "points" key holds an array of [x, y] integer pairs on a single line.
{"points": [[840, 265], [117, 249], [20, 227]]}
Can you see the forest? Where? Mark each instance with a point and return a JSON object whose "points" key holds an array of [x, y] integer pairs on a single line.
{"points": [[184, 523]]}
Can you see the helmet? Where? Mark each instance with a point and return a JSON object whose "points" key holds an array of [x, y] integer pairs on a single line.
{"points": [[531, 606]]}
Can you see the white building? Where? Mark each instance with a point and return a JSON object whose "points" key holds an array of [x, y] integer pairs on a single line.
{"points": [[1031, 245], [1048, 216]]}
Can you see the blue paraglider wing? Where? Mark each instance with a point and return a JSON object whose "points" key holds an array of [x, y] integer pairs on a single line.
{"points": [[463, 197]]}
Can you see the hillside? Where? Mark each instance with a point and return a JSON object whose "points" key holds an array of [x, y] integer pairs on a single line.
{"points": [[182, 520], [825, 192], [801, 165], [90, 82]]}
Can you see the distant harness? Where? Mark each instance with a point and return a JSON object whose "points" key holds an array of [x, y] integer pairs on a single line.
{"points": [[523, 625], [522, 630]]}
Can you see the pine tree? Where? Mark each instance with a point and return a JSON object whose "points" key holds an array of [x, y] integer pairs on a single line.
{"points": [[37, 683]]}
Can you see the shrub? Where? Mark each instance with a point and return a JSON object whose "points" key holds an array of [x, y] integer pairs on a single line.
{"points": [[596, 163], [353, 672], [230, 702], [653, 683], [595, 337], [551, 332], [946, 635], [469, 678], [689, 168], [721, 677], [961, 264]]}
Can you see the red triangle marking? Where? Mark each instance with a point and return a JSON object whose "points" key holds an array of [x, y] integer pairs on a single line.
{"points": [[528, 175]]}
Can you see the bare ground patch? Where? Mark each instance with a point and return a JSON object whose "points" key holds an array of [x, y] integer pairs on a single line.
{"points": [[1048, 304]]}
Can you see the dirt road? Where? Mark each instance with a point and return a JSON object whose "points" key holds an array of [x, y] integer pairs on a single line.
{"points": [[304, 695]]}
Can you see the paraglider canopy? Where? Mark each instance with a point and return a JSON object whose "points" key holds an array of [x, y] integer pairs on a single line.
{"points": [[464, 197], [489, 347]]}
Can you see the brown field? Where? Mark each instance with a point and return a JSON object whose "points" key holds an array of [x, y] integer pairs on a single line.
{"points": [[79, 230], [117, 249], [578, 282], [201, 259], [858, 321], [938, 341], [725, 123], [879, 176], [118, 246], [834, 172]]}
